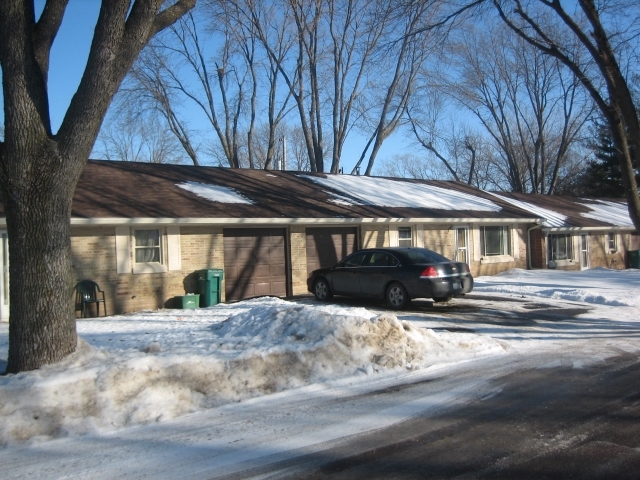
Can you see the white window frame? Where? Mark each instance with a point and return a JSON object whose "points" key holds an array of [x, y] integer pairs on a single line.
{"points": [[571, 253], [612, 242], [169, 250], [506, 254], [148, 267], [465, 237], [406, 240]]}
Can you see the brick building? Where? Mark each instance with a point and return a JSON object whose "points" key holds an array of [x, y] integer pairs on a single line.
{"points": [[577, 233], [142, 231]]}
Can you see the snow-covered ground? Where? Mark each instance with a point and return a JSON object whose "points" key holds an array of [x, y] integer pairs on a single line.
{"points": [[156, 368]]}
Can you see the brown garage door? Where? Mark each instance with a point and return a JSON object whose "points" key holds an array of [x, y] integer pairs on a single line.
{"points": [[254, 262], [327, 246]]}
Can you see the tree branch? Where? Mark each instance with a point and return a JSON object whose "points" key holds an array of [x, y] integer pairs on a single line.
{"points": [[116, 44], [45, 32], [172, 14]]}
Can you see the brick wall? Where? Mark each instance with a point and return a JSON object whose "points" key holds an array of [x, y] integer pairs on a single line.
{"points": [[599, 253], [93, 254], [440, 239], [298, 244], [480, 267], [374, 236]]}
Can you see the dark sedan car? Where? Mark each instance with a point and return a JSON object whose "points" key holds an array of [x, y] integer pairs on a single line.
{"points": [[394, 274]]}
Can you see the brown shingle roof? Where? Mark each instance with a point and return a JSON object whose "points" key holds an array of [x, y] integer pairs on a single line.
{"points": [[110, 189], [571, 207]]}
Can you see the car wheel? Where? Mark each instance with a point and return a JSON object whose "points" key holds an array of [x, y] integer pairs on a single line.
{"points": [[397, 296], [321, 290], [442, 299]]}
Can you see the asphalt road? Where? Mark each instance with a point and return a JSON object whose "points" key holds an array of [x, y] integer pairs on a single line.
{"points": [[554, 412], [554, 423]]}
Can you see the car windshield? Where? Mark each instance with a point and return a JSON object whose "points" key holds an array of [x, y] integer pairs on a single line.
{"points": [[424, 256]]}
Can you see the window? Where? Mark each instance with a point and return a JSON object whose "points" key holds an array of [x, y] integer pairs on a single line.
{"points": [[147, 246], [560, 247], [147, 250], [612, 242], [381, 259], [404, 237], [355, 260], [494, 240]]}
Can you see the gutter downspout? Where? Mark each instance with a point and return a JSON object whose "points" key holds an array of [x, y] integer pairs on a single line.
{"points": [[538, 225]]}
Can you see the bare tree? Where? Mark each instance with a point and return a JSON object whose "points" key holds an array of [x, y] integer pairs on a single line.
{"points": [[593, 42], [222, 85], [425, 115], [148, 87], [530, 105], [137, 139], [262, 25], [300, 21], [355, 28], [297, 158], [410, 165], [404, 57], [39, 169]]}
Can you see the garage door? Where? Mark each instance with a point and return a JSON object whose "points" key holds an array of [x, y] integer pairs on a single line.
{"points": [[254, 262], [327, 246]]}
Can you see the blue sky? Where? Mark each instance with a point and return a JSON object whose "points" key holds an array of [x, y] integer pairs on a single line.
{"points": [[68, 59]]}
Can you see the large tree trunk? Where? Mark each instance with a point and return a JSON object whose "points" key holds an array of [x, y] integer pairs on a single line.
{"points": [[39, 170], [42, 328]]}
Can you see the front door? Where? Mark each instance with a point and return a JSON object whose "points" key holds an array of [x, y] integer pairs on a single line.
{"points": [[462, 245], [584, 251], [4, 276]]}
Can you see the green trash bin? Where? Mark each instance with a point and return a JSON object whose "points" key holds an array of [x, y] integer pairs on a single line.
{"points": [[190, 300], [209, 284], [634, 258]]}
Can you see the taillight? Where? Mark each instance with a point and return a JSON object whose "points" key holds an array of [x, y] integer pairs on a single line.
{"points": [[429, 272], [466, 268]]}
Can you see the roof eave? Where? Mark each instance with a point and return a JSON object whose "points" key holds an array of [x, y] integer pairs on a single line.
{"points": [[107, 221]]}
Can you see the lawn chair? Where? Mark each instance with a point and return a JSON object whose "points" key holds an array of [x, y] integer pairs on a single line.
{"points": [[88, 292]]}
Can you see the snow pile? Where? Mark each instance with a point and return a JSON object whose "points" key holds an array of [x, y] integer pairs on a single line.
{"points": [[214, 193], [383, 192], [263, 346], [601, 286]]}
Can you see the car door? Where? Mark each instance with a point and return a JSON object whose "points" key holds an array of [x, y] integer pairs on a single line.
{"points": [[345, 278], [376, 273]]}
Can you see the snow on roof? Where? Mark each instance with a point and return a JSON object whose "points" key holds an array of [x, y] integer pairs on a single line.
{"points": [[551, 218], [616, 213], [215, 193], [384, 192]]}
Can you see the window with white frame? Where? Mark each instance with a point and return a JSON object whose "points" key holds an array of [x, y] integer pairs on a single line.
{"points": [[560, 247], [612, 242], [494, 240], [147, 246], [404, 237], [147, 250]]}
